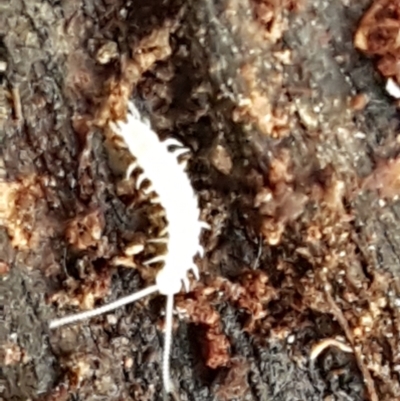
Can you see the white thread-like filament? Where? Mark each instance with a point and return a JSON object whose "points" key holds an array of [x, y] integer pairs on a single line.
{"points": [[167, 344], [132, 167], [173, 142], [180, 151], [186, 284], [158, 240], [195, 271], [103, 309], [156, 259]]}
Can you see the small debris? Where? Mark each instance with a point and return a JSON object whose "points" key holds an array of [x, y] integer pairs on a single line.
{"points": [[308, 117], [221, 160], [359, 101], [284, 56], [133, 249], [328, 342], [385, 179], [107, 53], [85, 230], [17, 104], [11, 354], [392, 88], [4, 268]]}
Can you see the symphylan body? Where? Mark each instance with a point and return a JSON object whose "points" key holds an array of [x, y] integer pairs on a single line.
{"points": [[176, 195]]}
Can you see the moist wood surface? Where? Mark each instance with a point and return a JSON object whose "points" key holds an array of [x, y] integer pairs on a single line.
{"points": [[294, 159]]}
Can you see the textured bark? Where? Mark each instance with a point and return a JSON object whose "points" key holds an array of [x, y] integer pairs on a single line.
{"points": [[299, 294]]}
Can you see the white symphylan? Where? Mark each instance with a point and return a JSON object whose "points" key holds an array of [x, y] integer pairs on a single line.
{"points": [[176, 195]]}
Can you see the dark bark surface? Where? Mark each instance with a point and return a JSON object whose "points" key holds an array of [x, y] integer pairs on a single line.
{"points": [[299, 297]]}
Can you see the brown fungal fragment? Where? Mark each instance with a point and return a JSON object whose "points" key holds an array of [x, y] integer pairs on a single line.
{"points": [[252, 294], [93, 286], [11, 354], [377, 35], [92, 291], [23, 211], [385, 179], [199, 310], [217, 346], [280, 169], [107, 52], [85, 230], [377, 29], [313, 233], [256, 107], [79, 369], [221, 160], [272, 231], [334, 195], [272, 18], [151, 49], [279, 204], [4, 268], [359, 101]]}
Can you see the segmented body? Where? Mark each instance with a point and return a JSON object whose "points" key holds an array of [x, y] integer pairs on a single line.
{"points": [[176, 195]]}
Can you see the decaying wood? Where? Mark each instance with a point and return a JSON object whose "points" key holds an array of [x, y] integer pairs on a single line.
{"points": [[295, 157]]}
